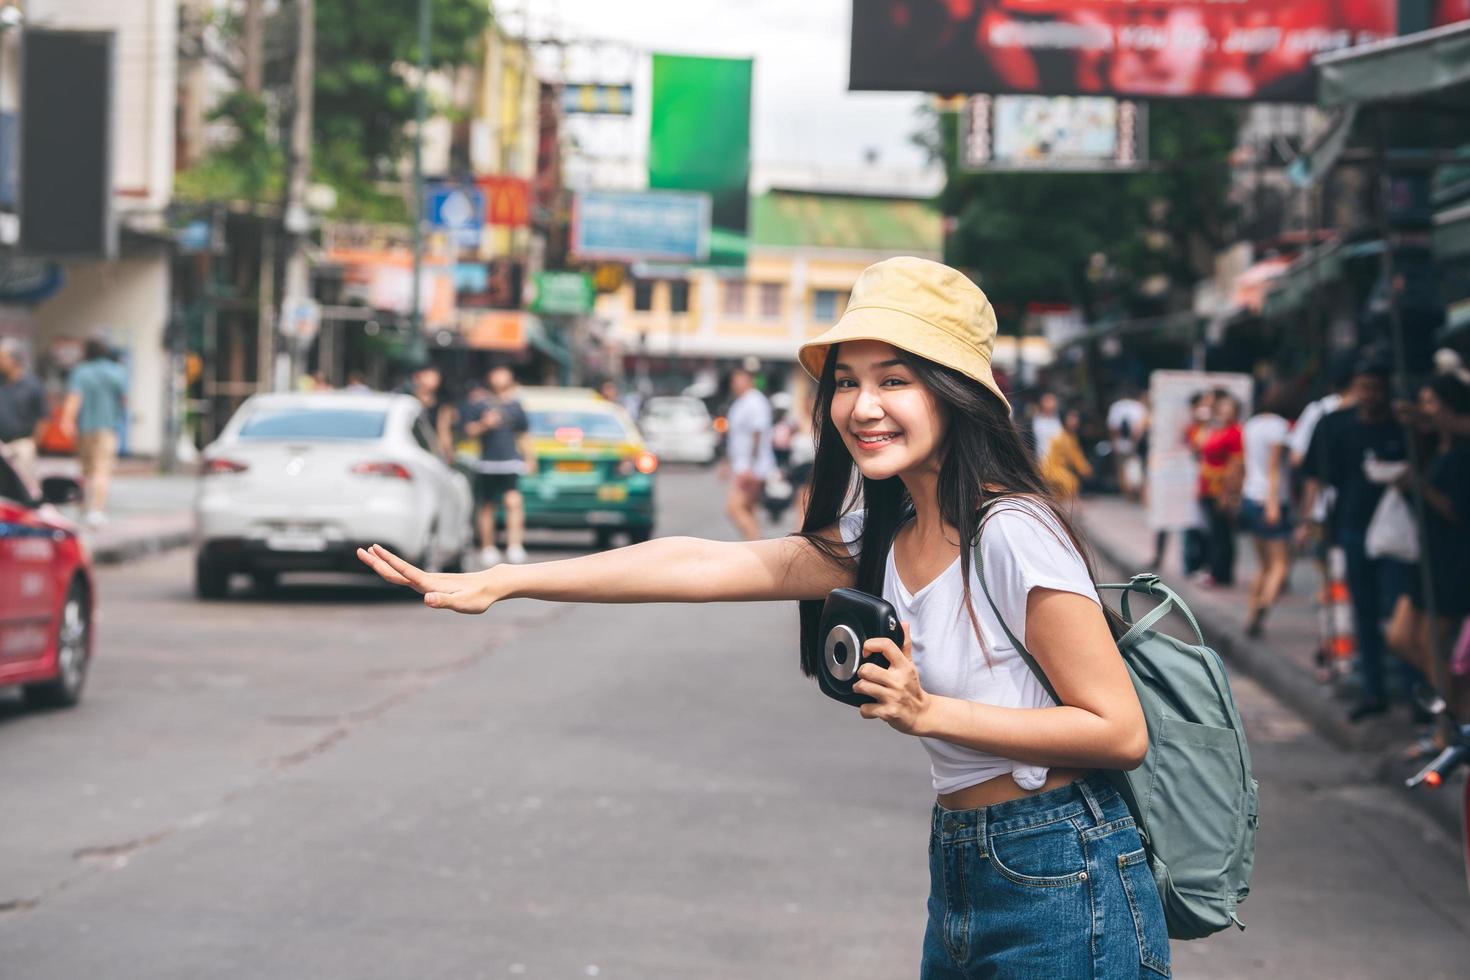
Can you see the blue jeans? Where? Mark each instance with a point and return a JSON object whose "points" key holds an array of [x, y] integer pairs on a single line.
{"points": [[1051, 885], [1374, 584]]}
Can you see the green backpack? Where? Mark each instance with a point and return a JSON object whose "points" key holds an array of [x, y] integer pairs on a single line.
{"points": [[1193, 797]]}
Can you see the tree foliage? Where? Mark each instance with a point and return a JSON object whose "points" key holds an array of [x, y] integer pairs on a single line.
{"points": [[363, 98], [1109, 243]]}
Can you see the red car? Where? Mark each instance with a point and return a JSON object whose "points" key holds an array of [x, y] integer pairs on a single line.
{"points": [[46, 591]]}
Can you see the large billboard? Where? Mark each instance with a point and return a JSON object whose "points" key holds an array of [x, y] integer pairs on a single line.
{"points": [[1225, 49], [699, 136], [1053, 132]]}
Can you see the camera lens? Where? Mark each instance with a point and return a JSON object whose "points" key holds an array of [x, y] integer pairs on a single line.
{"points": [[840, 652]]}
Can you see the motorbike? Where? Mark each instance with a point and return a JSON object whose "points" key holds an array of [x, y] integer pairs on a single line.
{"points": [[1442, 769]]}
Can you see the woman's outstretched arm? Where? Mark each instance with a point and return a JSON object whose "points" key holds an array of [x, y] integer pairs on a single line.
{"points": [[663, 570]]}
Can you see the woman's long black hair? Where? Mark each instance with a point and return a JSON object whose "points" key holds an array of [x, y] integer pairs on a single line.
{"points": [[983, 460]]}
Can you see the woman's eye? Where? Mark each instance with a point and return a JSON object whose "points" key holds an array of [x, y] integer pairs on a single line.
{"points": [[892, 382], [846, 383]]}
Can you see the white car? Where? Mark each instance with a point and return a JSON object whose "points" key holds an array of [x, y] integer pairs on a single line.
{"points": [[678, 429], [297, 482]]}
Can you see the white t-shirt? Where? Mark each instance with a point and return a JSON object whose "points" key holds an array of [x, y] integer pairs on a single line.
{"points": [[1259, 434], [1044, 429], [1131, 411], [750, 416], [1301, 433], [1024, 548]]}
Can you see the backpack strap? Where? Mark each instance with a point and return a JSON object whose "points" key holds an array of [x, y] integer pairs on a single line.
{"points": [[1148, 583], [1015, 640]]}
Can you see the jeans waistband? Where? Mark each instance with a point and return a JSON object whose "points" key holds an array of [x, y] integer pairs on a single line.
{"points": [[1082, 796]]}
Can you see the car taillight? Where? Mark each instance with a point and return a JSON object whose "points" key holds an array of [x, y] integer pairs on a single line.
{"points": [[218, 466], [644, 462], [394, 470]]}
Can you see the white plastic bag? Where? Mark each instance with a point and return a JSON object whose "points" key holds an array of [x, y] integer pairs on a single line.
{"points": [[1392, 533]]}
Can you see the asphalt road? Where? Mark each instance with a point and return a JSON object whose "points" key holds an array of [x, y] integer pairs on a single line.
{"points": [[333, 781]]}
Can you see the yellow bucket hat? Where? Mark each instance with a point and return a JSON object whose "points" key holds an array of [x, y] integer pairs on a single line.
{"points": [[921, 307]]}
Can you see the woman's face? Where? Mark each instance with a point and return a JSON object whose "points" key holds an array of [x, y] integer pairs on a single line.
{"points": [[1430, 407], [1226, 411], [888, 420]]}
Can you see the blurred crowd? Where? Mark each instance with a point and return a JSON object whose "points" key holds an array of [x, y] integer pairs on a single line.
{"points": [[1372, 491]]}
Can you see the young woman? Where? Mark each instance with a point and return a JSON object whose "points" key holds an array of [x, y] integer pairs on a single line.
{"points": [[1264, 512], [1036, 866], [1220, 470], [1445, 486], [1065, 465]]}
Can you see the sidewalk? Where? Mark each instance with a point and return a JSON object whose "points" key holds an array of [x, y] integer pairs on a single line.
{"points": [[148, 512], [1281, 660]]}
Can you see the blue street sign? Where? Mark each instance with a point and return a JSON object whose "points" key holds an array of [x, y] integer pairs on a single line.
{"points": [[457, 210]]}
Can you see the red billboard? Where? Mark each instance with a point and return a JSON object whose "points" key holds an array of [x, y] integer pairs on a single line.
{"points": [[1223, 49]]}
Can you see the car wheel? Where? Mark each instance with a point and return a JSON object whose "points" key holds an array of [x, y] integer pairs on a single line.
{"points": [[638, 535], [211, 578], [265, 581], [604, 539], [73, 647]]}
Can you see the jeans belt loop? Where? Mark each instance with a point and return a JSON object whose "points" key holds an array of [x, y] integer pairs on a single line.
{"points": [[1091, 800]]}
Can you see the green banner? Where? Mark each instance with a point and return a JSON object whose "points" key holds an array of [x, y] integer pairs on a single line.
{"points": [[562, 293], [699, 138]]}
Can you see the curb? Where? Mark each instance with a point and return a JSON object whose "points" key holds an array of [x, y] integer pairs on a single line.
{"points": [[1302, 693], [143, 546]]}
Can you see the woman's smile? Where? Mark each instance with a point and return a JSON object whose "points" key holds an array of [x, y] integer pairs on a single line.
{"points": [[875, 441]]}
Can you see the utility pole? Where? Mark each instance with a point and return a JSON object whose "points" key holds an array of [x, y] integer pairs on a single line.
{"points": [[416, 317], [295, 220], [251, 81]]}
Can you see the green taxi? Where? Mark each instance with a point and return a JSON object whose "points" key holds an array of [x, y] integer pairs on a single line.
{"points": [[591, 467]]}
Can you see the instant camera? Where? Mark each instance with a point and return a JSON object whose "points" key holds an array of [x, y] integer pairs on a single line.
{"points": [[850, 619]]}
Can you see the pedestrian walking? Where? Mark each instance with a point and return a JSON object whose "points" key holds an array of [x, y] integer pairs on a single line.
{"points": [[1126, 420], [22, 408], [750, 455], [95, 408], [1045, 425], [1345, 440], [1221, 452], [1065, 465], [1445, 508], [1336, 639], [1036, 868], [1265, 512], [499, 423]]}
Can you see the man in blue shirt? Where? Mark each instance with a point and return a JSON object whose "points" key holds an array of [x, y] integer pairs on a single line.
{"points": [[95, 408]]}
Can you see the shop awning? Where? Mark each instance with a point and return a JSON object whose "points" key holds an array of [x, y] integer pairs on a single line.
{"points": [[1290, 290], [1430, 67]]}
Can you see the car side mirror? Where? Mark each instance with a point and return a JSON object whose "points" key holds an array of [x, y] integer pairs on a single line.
{"points": [[60, 490]]}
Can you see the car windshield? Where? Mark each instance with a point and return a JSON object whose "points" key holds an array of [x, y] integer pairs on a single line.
{"points": [[314, 423], [593, 425], [677, 410]]}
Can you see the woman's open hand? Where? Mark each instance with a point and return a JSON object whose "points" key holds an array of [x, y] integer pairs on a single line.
{"points": [[441, 590], [897, 696]]}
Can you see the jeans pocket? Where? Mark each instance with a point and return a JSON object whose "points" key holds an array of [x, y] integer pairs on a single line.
{"points": [[1048, 856], [1147, 910]]}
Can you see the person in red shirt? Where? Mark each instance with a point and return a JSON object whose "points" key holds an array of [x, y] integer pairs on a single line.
{"points": [[1221, 459]]}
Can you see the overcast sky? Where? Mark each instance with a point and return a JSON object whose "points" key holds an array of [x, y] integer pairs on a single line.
{"points": [[803, 113]]}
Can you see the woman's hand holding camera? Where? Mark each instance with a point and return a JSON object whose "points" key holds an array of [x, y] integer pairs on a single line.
{"points": [[469, 593], [897, 696]]}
